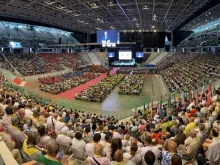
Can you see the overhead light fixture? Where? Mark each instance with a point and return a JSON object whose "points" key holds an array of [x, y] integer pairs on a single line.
{"points": [[145, 7], [100, 20], [153, 26], [75, 14], [93, 5], [50, 2], [110, 3]]}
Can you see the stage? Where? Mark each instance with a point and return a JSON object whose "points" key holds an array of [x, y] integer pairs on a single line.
{"points": [[124, 63]]}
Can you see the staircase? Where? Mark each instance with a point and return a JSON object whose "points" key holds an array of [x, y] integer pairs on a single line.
{"points": [[16, 71], [152, 57], [159, 58], [86, 57], [94, 59], [102, 58]]}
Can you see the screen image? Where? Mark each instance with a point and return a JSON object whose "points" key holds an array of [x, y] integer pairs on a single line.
{"points": [[110, 54], [108, 36], [15, 44], [139, 54], [125, 55]]}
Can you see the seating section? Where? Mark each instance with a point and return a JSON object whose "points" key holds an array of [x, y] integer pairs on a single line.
{"points": [[98, 92], [138, 70], [93, 68], [132, 85], [69, 60], [188, 71], [64, 82], [29, 64], [206, 37], [32, 64]]}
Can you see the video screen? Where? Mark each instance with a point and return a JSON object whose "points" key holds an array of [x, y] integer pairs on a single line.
{"points": [[111, 54], [108, 38], [15, 45], [125, 55], [139, 54]]}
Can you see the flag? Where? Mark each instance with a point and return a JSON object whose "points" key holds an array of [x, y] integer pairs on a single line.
{"points": [[152, 105], [209, 97], [197, 99], [161, 102]]}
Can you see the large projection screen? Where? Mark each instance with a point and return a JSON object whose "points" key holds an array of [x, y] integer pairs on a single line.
{"points": [[125, 55]]}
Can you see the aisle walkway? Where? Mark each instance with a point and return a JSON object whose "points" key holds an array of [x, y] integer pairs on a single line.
{"points": [[70, 94]]}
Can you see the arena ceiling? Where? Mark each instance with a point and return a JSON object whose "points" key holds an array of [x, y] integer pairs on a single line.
{"points": [[90, 15]]}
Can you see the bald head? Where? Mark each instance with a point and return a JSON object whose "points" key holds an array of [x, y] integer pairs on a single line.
{"points": [[193, 133], [133, 141], [172, 146], [98, 149], [118, 156], [52, 148]]}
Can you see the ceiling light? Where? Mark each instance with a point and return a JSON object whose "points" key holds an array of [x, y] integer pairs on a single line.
{"points": [[153, 26], [209, 13], [76, 15], [93, 5], [50, 2]]}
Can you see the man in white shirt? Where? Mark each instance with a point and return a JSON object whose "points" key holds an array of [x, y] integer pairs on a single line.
{"points": [[90, 146], [133, 155], [63, 140], [149, 147], [51, 121], [59, 125], [116, 134], [97, 158]]}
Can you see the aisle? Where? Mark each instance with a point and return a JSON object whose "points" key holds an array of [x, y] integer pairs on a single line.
{"points": [[70, 94]]}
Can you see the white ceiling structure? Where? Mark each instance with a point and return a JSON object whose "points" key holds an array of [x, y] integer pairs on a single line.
{"points": [[90, 15]]}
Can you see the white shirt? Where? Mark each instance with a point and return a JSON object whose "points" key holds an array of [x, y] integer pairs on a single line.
{"points": [[89, 149], [117, 135], [136, 158], [64, 141], [78, 147], [51, 121], [101, 160], [58, 127], [154, 149], [28, 113]]}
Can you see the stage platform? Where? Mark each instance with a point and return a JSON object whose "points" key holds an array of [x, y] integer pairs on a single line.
{"points": [[124, 63]]}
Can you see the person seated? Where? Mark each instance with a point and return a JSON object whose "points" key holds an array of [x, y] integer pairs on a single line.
{"points": [[29, 148], [51, 157], [149, 158], [118, 159], [97, 157]]}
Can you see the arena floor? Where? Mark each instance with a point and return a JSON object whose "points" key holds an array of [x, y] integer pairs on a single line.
{"points": [[117, 105]]}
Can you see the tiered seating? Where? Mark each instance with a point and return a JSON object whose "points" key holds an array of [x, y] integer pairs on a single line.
{"points": [[62, 83], [29, 64], [99, 92], [4, 64], [137, 70], [189, 71], [93, 68], [69, 60], [204, 38], [132, 85], [165, 135]]}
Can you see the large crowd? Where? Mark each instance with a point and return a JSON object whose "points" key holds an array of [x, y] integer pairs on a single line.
{"points": [[32, 64], [189, 71], [132, 85], [137, 70], [99, 91], [64, 82], [187, 131]]}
